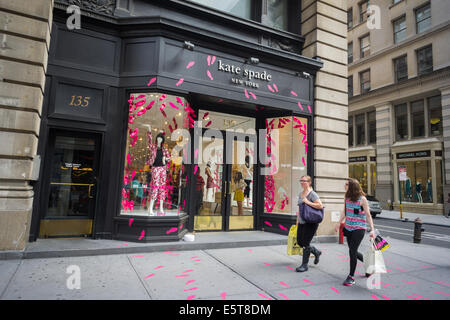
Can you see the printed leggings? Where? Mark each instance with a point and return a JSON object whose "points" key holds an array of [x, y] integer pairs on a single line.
{"points": [[354, 239], [158, 188]]}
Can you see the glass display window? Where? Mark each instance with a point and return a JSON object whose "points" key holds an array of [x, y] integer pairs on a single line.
{"points": [[418, 185], [240, 8], [359, 172], [373, 180], [155, 175], [282, 184], [439, 174]]}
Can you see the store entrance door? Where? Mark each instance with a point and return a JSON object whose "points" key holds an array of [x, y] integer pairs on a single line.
{"points": [[70, 185], [224, 175]]}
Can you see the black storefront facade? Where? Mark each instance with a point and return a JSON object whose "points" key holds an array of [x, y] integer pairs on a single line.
{"points": [[123, 78]]}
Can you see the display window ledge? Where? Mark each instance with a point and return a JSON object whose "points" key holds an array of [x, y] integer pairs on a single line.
{"points": [[150, 229], [277, 223]]}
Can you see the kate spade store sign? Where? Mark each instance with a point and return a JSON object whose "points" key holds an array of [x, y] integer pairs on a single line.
{"points": [[244, 76]]}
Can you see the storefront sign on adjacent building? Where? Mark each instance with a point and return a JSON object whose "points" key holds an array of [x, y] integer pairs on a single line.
{"points": [[357, 159], [417, 154]]}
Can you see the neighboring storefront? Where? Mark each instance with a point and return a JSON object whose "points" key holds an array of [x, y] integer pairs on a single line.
{"points": [[152, 128], [420, 186], [364, 169]]}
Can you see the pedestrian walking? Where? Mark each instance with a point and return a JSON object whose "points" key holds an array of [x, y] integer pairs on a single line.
{"points": [[356, 214], [306, 231]]}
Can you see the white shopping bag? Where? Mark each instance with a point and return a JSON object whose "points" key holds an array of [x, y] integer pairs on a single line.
{"points": [[373, 260]]}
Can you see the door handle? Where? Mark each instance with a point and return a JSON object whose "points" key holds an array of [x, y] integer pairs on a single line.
{"points": [[90, 188]]}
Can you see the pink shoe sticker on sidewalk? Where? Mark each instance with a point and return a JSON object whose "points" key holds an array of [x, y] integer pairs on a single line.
{"points": [[305, 292], [335, 290]]}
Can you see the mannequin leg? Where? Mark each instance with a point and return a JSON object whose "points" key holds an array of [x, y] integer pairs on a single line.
{"points": [[210, 195], [152, 203], [161, 206]]}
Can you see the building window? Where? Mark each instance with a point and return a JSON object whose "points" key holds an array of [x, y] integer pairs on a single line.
{"points": [[360, 129], [350, 52], [423, 18], [401, 69], [435, 116], [418, 119], [373, 180], [277, 14], [364, 44], [418, 185], [240, 8], [350, 18], [425, 60], [153, 180], [350, 86], [372, 125], [363, 15], [400, 29], [284, 170], [365, 81], [350, 131], [401, 121]]}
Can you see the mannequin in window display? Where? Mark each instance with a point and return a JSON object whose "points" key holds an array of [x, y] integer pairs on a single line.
{"points": [[429, 190], [248, 177], [209, 183], [239, 191], [419, 191], [408, 188], [159, 157]]}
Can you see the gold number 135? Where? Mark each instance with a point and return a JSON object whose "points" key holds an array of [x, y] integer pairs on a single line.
{"points": [[78, 101]]}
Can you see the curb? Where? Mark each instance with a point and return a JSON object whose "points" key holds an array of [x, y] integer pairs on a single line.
{"points": [[19, 255], [412, 221], [155, 247]]}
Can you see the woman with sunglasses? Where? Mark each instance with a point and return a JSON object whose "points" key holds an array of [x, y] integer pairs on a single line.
{"points": [[306, 231], [356, 214]]}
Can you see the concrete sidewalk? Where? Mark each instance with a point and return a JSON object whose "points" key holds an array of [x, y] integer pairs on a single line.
{"points": [[439, 220], [415, 272]]}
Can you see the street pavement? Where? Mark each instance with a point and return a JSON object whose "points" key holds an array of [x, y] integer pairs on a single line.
{"points": [[425, 218], [432, 235], [415, 272]]}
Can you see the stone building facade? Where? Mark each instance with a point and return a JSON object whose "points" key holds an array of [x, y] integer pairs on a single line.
{"points": [[25, 29], [398, 101]]}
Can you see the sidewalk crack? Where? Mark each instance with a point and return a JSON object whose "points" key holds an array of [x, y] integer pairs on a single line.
{"points": [[140, 280], [10, 280]]}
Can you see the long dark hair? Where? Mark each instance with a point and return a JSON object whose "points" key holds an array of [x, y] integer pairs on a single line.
{"points": [[354, 190], [238, 177]]}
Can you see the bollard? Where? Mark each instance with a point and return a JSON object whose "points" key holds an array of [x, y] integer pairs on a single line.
{"points": [[418, 230], [341, 233]]}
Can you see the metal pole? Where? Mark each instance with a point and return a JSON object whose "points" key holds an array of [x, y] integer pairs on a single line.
{"points": [[400, 196]]}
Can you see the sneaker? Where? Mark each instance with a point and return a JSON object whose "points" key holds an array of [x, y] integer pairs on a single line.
{"points": [[349, 281]]}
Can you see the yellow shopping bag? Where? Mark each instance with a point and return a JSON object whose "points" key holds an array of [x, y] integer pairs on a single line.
{"points": [[293, 248]]}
